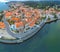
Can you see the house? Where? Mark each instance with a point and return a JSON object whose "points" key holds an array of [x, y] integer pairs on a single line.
{"points": [[28, 20], [8, 15], [28, 14], [36, 11], [15, 19], [58, 15], [57, 7], [2, 25], [51, 10], [46, 11], [32, 24], [19, 26], [12, 27], [35, 19]]}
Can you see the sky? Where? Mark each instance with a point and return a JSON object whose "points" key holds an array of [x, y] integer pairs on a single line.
{"points": [[34, 0], [26, 0]]}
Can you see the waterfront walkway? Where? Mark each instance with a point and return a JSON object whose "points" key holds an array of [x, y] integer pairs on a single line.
{"points": [[5, 34], [20, 35], [27, 34]]}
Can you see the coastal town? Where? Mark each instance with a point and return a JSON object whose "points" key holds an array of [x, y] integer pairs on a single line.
{"points": [[22, 20]]}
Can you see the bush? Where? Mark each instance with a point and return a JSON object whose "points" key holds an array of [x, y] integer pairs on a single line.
{"points": [[48, 19]]}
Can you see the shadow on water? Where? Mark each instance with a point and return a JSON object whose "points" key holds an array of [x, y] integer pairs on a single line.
{"points": [[43, 41], [47, 39], [32, 36]]}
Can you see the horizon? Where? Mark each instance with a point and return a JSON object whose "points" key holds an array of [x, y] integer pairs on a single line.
{"points": [[4, 1], [33, 0], [26, 0]]}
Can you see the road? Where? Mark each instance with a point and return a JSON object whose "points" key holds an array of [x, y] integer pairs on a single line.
{"points": [[9, 31], [18, 35]]}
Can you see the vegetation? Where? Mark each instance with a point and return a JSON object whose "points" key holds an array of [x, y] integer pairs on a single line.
{"points": [[27, 28], [47, 7], [37, 23], [48, 19], [41, 4], [10, 22], [55, 16], [43, 18], [16, 31], [1, 15]]}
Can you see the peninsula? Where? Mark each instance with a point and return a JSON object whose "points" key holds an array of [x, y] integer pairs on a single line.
{"points": [[21, 21]]}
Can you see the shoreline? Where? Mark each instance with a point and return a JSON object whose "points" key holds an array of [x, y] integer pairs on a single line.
{"points": [[25, 38], [21, 37]]}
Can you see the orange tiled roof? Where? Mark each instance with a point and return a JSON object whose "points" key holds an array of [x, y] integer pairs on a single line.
{"points": [[24, 9], [32, 23], [35, 19], [15, 19], [36, 11], [28, 19], [51, 9], [47, 11], [28, 14], [8, 14], [2, 25], [19, 24]]}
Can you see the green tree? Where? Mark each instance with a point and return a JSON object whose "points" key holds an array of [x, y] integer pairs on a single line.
{"points": [[1, 15], [48, 19], [11, 22]]}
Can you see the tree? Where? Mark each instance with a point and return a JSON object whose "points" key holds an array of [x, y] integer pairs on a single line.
{"points": [[1, 15], [55, 16], [11, 22], [44, 17], [48, 19]]}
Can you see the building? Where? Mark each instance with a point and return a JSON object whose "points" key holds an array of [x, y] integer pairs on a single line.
{"points": [[12, 27], [15, 19], [8, 15], [19, 26], [2, 25]]}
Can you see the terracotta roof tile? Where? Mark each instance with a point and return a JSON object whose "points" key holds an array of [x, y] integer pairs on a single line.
{"points": [[2, 25], [15, 19], [19, 24], [8, 14], [32, 23]]}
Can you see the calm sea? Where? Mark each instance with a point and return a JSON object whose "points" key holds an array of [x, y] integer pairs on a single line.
{"points": [[46, 40], [3, 6]]}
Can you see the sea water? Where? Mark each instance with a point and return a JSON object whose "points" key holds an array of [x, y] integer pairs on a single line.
{"points": [[3, 6], [46, 40]]}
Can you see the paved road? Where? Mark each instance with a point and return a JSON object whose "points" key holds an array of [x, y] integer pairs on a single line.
{"points": [[19, 35], [9, 31]]}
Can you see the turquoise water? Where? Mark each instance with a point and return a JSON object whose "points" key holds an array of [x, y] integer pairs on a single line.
{"points": [[46, 40], [3, 6]]}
